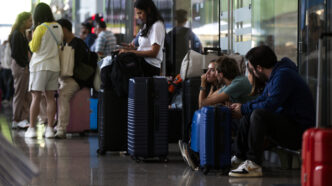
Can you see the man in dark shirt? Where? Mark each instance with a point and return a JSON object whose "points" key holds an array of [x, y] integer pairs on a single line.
{"points": [[70, 85], [177, 43], [281, 114]]}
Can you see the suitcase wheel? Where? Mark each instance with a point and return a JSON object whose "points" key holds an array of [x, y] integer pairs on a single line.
{"points": [[135, 158], [205, 170], [101, 152], [163, 159]]}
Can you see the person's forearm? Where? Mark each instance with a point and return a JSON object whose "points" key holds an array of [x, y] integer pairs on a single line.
{"points": [[147, 53], [201, 97]]}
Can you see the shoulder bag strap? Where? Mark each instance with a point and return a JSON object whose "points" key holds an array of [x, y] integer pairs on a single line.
{"points": [[51, 33]]}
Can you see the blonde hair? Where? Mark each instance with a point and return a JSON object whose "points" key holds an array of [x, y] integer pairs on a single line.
{"points": [[19, 23]]}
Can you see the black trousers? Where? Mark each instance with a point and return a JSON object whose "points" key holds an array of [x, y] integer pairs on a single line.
{"points": [[264, 125], [149, 70], [7, 85]]}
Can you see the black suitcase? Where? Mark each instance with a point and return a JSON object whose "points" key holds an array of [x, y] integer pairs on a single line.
{"points": [[174, 125], [148, 118], [112, 122], [189, 104]]}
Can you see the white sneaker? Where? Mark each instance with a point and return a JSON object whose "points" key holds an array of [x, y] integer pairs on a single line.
{"points": [[23, 124], [235, 162], [60, 134], [49, 133], [30, 133], [186, 155], [14, 124], [247, 169]]}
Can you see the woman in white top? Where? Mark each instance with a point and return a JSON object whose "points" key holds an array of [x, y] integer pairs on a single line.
{"points": [[151, 37], [44, 66]]}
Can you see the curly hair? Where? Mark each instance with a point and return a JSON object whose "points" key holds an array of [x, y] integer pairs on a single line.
{"points": [[228, 67]]}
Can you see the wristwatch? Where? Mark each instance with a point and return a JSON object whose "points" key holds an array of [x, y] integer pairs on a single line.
{"points": [[202, 88]]}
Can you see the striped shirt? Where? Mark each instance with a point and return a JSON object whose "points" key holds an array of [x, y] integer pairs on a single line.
{"points": [[105, 43]]}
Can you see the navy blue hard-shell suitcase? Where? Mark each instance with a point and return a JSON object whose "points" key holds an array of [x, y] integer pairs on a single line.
{"points": [[215, 138], [148, 118], [112, 122], [189, 104]]}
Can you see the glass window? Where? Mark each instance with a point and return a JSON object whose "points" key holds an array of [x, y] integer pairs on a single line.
{"points": [[205, 21], [274, 23], [315, 18]]}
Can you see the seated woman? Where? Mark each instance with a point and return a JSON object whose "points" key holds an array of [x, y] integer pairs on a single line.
{"points": [[236, 87], [211, 80], [257, 85], [151, 37]]}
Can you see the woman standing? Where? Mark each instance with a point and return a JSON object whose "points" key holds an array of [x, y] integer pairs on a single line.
{"points": [[151, 38], [44, 66], [20, 54]]}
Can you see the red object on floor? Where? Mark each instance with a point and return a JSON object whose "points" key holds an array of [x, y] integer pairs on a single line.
{"points": [[317, 157], [79, 111]]}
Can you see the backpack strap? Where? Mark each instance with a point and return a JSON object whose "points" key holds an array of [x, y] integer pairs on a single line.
{"points": [[52, 33]]}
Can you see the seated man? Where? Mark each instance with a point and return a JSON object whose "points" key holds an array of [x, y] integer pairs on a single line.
{"points": [[70, 85], [236, 89], [281, 114]]}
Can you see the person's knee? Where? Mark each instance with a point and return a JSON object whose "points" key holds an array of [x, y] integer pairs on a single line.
{"points": [[50, 96], [36, 96], [258, 116]]}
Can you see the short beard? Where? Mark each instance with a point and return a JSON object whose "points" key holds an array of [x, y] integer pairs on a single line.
{"points": [[261, 76]]}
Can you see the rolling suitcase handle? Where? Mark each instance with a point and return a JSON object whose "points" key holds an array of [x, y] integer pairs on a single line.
{"points": [[207, 49], [319, 90]]}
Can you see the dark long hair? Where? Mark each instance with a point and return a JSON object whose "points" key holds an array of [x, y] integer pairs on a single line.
{"points": [[152, 14], [43, 13], [257, 85], [19, 23]]}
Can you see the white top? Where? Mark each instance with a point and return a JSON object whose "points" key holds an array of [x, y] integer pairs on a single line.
{"points": [[156, 35], [6, 58], [45, 49]]}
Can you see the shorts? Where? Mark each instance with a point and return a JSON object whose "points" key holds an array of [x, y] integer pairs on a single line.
{"points": [[43, 80]]}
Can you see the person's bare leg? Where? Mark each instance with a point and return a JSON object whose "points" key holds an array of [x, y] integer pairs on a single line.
{"points": [[34, 108], [51, 107]]}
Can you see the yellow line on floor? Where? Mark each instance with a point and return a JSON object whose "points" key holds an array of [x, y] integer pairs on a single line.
{"points": [[5, 130]]}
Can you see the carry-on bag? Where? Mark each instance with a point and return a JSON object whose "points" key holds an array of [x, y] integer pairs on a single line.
{"points": [[194, 139], [148, 118], [79, 120], [215, 138], [174, 125], [112, 122], [93, 113], [190, 94]]}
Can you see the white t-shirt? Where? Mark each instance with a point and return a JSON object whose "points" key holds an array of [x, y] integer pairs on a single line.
{"points": [[156, 35]]}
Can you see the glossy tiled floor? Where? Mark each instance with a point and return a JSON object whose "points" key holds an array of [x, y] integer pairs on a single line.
{"points": [[74, 161]]}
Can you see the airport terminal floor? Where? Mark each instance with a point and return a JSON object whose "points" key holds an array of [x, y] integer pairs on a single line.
{"points": [[74, 161]]}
